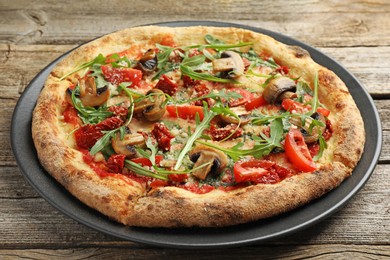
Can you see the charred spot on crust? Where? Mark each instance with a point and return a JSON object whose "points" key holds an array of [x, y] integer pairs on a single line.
{"points": [[299, 52], [340, 105]]}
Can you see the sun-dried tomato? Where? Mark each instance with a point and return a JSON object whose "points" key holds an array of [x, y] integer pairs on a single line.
{"points": [[220, 133], [116, 163], [189, 82], [87, 135], [166, 85], [120, 111], [163, 136]]}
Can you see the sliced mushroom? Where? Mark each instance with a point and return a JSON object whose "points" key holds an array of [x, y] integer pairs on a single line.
{"points": [[230, 64], [310, 133], [90, 95], [241, 112], [148, 62], [210, 161], [278, 89], [153, 106], [128, 144]]}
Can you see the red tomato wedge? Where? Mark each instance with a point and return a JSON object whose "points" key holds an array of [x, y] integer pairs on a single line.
{"points": [[249, 170], [297, 151], [255, 102], [146, 162], [186, 111], [119, 75], [245, 97], [260, 171]]}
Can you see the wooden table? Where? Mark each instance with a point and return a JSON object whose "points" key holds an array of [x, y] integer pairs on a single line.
{"points": [[33, 33]]}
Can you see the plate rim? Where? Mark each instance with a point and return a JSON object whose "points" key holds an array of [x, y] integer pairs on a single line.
{"points": [[233, 243]]}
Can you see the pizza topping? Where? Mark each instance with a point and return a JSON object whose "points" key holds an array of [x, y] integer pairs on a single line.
{"points": [[119, 75], [148, 62], [278, 89], [90, 95], [152, 106], [163, 136], [297, 151], [230, 65], [166, 85], [186, 111], [242, 116], [127, 144], [260, 171], [116, 163], [208, 161], [227, 127], [311, 127]]}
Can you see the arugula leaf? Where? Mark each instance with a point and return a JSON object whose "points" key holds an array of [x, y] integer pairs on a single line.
{"points": [[211, 40], [193, 61], [256, 60], [323, 146], [263, 146], [139, 169], [208, 115], [314, 101], [218, 96], [104, 141], [89, 115], [100, 59], [153, 148], [204, 76]]}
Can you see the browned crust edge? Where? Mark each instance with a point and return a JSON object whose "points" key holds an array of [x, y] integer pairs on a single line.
{"points": [[174, 207]]}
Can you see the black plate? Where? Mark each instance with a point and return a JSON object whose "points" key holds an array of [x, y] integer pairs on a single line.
{"points": [[259, 231]]}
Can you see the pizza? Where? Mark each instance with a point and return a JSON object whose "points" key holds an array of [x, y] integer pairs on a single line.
{"points": [[195, 127]]}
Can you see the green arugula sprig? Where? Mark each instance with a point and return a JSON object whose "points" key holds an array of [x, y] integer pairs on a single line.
{"points": [[105, 140], [200, 127], [263, 145], [257, 61], [100, 59], [89, 115], [185, 70], [156, 172]]}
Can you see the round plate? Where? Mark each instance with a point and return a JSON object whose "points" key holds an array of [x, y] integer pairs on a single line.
{"points": [[258, 231]]}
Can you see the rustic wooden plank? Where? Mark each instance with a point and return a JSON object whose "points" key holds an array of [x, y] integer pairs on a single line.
{"points": [[371, 66], [259, 252], [364, 220], [353, 23]]}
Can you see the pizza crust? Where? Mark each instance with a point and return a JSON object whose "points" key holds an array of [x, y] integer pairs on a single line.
{"points": [[129, 202]]}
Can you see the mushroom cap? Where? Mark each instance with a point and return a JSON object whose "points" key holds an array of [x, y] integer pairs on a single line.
{"points": [[90, 95], [153, 106], [230, 63], [148, 61], [310, 134], [215, 161], [128, 144], [276, 87], [241, 112]]}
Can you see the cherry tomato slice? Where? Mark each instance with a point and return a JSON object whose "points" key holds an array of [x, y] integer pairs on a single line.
{"points": [[297, 151], [146, 162], [249, 170], [186, 111], [255, 103], [119, 75], [245, 97]]}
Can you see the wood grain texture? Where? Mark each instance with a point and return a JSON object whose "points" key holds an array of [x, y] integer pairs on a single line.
{"points": [[355, 33], [315, 22], [258, 252]]}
